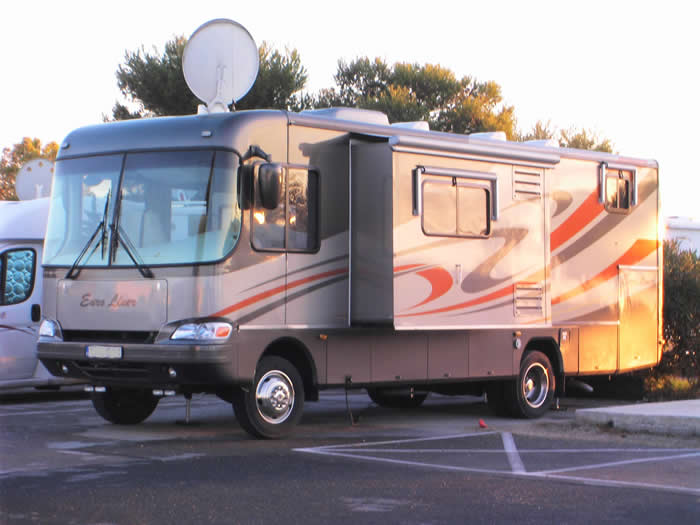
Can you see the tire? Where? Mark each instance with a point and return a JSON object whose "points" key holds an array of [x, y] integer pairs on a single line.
{"points": [[124, 406], [496, 398], [389, 398], [532, 394], [273, 406]]}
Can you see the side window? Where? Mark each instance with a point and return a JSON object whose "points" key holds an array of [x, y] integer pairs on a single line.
{"points": [[617, 187], [456, 209], [17, 269], [293, 225], [617, 191]]}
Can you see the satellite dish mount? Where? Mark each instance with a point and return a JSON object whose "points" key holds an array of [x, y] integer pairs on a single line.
{"points": [[220, 64]]}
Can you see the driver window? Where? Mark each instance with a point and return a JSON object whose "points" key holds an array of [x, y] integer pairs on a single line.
{"points": [[293, 225]]}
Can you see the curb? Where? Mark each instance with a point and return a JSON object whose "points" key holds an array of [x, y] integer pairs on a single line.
{"points": [[676, 418]]}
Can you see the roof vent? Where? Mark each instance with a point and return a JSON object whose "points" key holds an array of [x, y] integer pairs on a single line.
{"points": [[543, 143], [421, 125], [367, 116], [490, 135]]}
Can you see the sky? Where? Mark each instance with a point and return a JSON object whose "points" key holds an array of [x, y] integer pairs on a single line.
{"points": [[626, 70]]}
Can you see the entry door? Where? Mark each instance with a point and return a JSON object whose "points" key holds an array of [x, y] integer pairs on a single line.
{"points": [[639, 310]]}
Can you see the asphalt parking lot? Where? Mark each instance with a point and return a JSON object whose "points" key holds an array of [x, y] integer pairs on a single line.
{"points": [[366, 468]]}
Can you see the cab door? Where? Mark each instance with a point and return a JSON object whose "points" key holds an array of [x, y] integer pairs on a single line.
{"points": [[20, 288]]}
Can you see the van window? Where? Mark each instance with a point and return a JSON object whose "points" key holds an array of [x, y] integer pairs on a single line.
{"points": [[293, 225], [455, 209], [17, 269]]}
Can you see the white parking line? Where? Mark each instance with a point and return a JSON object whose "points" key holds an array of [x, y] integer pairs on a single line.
{"points": [[516, 464], [618, 463], [361, 451]]}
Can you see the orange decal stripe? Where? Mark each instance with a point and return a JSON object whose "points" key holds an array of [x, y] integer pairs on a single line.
{"points": [[440, 281], [474, 302], [589, 210], [274, 291], [398, 269], [535, 277], [639, 250]]}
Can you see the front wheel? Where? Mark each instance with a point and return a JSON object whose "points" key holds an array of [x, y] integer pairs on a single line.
{"points": [[532, 394], [273, 406], [123, 406]]}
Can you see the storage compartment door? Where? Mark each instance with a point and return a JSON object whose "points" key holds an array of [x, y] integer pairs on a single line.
{"points": [[639, 312]]}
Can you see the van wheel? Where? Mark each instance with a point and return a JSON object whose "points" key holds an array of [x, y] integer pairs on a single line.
{"points": [[389, 398], [124, 406], [273, 406], [532, 394]]}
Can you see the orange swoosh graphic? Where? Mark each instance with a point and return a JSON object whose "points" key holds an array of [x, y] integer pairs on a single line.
{"points": [[479, 300], [405, 267], [274, 291], [584, 214], [440, 281], [638, 251]]}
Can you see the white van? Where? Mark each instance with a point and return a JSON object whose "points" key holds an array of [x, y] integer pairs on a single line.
{"points": [[22, 230]]}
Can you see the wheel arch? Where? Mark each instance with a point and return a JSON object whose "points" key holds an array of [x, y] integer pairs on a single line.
{"points": [[298, 354], [549, 347]]}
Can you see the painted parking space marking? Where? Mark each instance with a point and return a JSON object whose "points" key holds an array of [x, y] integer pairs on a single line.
{"points": [[507, 459]]}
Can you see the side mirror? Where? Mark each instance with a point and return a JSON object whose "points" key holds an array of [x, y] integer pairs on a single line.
{"points": [[270, 185], [245, 185]]}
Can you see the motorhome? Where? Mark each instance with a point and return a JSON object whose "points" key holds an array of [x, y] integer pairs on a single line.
{"points": [[22, 228], [266, 255]]}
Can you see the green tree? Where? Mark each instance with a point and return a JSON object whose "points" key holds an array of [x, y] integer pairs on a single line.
{"points": [[681, 310], [155, 85], [13, 159], [427, 92], [584, 139], [571, 138], [540, 131]]}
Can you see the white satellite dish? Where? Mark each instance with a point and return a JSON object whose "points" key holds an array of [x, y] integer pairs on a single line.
{"points": [[220, 63], [34, 179]]}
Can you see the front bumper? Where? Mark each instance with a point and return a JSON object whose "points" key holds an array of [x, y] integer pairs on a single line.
{"points": [[144, 365]]}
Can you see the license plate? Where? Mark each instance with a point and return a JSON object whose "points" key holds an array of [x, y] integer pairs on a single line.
{"points": [[103, 352]]}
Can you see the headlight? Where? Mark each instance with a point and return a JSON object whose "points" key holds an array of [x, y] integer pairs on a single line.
{"points": [[50, 328], [213, 331]]}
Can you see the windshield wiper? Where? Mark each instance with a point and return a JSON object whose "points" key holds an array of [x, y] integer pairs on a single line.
{"points": [[130, 249], [103, 241]]}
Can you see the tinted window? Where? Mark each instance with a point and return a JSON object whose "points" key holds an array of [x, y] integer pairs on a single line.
{"points": [[458, 210], [17, 269]]}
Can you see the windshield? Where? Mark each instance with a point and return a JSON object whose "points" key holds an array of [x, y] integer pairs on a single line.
{"points": [[175, 207]]}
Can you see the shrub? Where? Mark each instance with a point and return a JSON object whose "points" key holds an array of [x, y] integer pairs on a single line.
{"points": [[681, 311]]}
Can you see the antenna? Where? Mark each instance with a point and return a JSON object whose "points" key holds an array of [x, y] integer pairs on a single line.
{"points": [[34, 179], [220, 64]]}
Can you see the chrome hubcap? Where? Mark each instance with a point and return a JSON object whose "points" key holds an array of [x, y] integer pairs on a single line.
{"points": [[535, 385], [275, 397]]}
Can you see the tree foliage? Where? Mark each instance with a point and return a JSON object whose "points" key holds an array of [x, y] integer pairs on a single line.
{"points": [[681, 310], [13, 159], [408, 92], [570, 138], [155, 85]]}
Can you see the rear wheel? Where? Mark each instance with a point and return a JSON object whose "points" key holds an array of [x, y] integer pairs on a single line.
{"points": [[273, 406], [389, 398], [532, 394], [124, 406]]}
